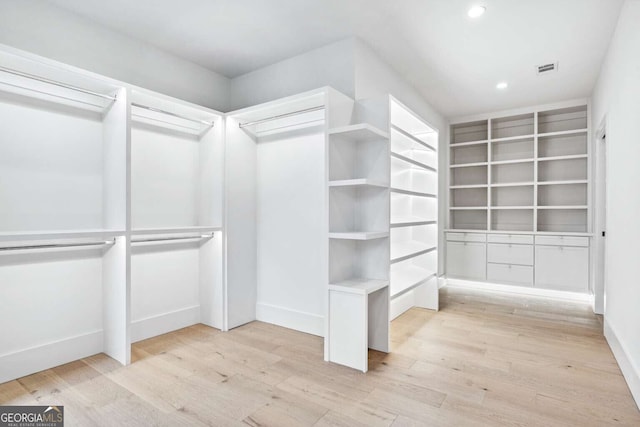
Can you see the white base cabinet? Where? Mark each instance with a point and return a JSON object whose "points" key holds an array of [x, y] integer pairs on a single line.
{"points": [[467, 260], [553, 262]]}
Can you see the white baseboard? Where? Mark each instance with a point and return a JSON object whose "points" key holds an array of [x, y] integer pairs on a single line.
{"points": [[401, 304], [164, 323], [521, 290], [46, 356], [630, 371], [293, 319]]}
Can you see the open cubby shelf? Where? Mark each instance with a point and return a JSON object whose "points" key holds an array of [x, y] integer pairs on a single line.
{"points": [[532, 162]]}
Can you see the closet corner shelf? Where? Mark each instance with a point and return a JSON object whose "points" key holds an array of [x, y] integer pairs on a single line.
{"points": [[566, 207], [513, 184], [412, 137], [360, 286], [175, 230], [59, 234], [359, 235], [512, 162], [568, 182], [571, 157], [469, 165], [413, 162], [562, 133], [407, 250], [407, 278], [360, 182], [466, 144], [412, 193], [513, 138], [410, 221], [359, 132]]}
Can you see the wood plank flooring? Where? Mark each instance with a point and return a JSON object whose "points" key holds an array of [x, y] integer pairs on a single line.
{"points": [[483, 360]]}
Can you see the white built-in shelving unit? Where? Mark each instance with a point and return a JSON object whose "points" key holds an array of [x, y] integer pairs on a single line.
{"points": [[98, 185], [520, 174]]}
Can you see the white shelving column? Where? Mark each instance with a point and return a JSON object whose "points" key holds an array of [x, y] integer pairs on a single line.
{"points": [[414, 211], [358, 187]]}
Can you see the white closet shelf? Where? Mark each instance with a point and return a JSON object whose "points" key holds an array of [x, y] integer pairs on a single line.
{"points": [[459, 187], [511, 162], [359, 235], [513, 138], [359, 132], [511, 207], [571, 157], [359, 182], [413, 162], [175, 230], [59, 234], [405, 278], [360, 286], [576, 181], [469, 165], [564, 132], [468, 208], [529, 233], [413, 137], [466, 144], [564, 207], [412, 193], [411, 221], [406, 250], [513, 184]]}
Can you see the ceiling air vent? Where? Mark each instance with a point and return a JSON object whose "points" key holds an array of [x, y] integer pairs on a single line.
{"points": [[547, 68]]}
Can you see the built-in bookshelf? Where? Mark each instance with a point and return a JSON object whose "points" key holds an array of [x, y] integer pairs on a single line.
{"points": [[525, 172]]}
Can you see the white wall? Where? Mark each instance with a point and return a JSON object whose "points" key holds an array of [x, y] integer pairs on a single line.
{"points": [[46, 30], [617, 95], [331, 65], [375, 78]]}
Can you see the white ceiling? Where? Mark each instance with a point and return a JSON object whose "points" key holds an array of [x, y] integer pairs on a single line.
{"points": [[455, 62]]}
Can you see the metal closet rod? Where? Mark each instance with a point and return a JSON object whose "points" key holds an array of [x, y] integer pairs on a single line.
{"points": [[57, 245], [169, 239], [282, 116], [169, 113], [56, 83]]}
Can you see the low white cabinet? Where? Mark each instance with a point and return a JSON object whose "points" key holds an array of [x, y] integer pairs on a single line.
{"points": [[562, 263], [555, 262], [467, 259]]}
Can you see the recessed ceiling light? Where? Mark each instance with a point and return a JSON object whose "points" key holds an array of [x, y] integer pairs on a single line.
{"points": [[502, 85], [476, 11]]}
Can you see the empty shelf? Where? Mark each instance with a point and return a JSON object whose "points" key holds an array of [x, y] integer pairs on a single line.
{"points": [[413, 162], [359, 132], [405, 278], [412, 193], [413, 137], [564, 132], [357, 183], [405, 250], [58, 234], [410, 221], [359, 235], [175, 230], [360, 286]]}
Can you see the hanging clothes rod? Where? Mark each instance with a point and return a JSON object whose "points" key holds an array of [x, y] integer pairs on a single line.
{"points": [[56, 83], [282, 116], [169, 239], [169, 113], [57, 245]]}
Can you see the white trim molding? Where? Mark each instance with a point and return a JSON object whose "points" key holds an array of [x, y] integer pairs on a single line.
{"points": [[309, 323], [630, 371]]}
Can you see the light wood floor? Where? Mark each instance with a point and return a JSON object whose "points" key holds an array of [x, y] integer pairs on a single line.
{"points": [[484, 359]]}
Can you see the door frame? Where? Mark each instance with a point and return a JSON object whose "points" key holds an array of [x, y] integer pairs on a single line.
{"points": [[600, 218]]}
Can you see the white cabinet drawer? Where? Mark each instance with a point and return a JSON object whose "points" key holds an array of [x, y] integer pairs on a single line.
{"points": [[564, 268], [562, 241], [520, 239], [466, 237], [510, 254], [467, 260], [511, 274]]}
